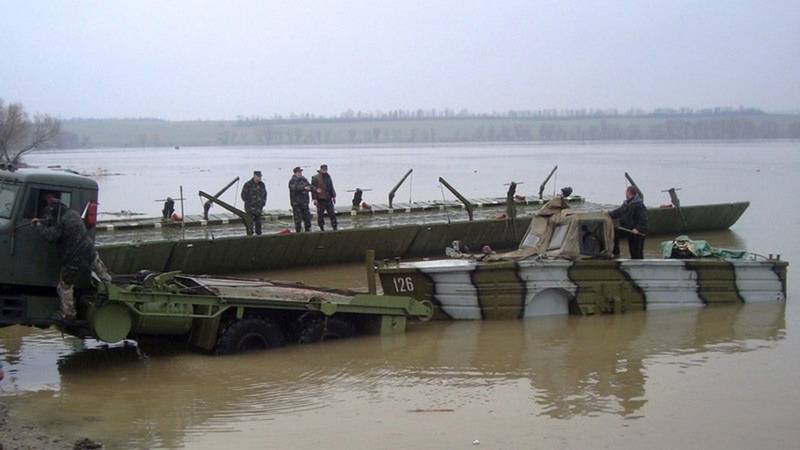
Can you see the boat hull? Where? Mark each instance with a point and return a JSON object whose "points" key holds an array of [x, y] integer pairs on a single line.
{"points": [[234, 254], [461, 289]]}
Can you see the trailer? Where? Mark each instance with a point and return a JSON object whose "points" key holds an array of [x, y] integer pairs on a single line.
{"points": [[229, 315]]}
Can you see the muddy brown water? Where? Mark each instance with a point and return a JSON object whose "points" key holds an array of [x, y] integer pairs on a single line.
{"points": [[723, 377]]}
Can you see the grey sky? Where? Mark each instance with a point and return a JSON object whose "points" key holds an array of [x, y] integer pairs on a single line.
{"points": [[220, 59]]}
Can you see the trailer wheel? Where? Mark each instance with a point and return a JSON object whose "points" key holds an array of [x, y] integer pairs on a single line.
{"points": [[247, 335], [316, 330]]}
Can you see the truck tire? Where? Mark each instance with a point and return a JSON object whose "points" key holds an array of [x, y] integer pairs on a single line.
{"points": [[316, 330], [247, 335]]}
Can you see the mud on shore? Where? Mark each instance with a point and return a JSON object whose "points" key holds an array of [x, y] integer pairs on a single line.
{"points": [[15, 435]]}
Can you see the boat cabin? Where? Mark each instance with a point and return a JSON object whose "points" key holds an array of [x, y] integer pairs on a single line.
{"points": [[557, 231]]}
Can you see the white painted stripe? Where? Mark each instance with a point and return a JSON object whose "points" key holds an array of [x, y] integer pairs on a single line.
{"points": [[757, 282], [455, 291], [225, 221], [666, 283], [548, 287]]}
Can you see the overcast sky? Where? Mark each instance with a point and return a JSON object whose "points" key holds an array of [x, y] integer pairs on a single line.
{"points": [[220, 59]]}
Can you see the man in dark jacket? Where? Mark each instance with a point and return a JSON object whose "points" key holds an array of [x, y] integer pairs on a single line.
{"points": [[632, 216], [254, 195], [299, 187], [65, 228], [324, 196]]}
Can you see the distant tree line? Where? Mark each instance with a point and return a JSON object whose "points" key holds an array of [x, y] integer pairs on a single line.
{"points": [[434, 126], [448, 113]]}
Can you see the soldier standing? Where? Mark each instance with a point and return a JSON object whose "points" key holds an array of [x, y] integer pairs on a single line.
{"points": [[254, 195], [632, 216], [65, 228], [299, 187], [324, 197]]}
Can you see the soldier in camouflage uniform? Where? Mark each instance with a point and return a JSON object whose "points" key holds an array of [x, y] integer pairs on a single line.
{"points": [[324, 196], [299, 187], [254, 195], [65, 228]]}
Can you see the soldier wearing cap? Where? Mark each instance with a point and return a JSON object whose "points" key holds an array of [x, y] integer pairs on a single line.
{"points": [[299, 187], [324, 196], [254, 195]]}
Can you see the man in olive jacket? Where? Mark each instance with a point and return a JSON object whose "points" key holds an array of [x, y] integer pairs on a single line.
{"points": [[632, 216], [299, 187], [324, 196], [254, 195]]}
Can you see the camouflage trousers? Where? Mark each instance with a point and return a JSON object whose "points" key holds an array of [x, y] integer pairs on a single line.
{"points": [[69, 276], [301, 215]]}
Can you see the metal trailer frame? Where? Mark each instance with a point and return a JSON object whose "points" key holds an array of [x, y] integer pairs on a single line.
{"points": [[121, 310]]}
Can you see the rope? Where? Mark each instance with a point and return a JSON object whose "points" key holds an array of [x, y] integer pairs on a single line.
{"points": [[410, 184], [555, 183], [444, 203], [236, 197]]}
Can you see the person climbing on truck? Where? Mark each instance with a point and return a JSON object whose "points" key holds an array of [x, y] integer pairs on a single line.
{"points": [[65, 228]]}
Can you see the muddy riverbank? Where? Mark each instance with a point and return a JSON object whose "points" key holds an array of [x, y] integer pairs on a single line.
{"points": [[17, 434]]}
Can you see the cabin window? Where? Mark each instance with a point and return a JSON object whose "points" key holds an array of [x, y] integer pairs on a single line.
{"points": [[37, 201], [559, 234], [592, 233], [530, 240], [8, 194]]}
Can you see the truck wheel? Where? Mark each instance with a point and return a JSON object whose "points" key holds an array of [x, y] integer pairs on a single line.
{"points": [[316, 330], [247, 335]]}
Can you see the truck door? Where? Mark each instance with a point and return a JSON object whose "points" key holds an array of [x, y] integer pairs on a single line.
{"points": [[35, 262], [9, 193]]}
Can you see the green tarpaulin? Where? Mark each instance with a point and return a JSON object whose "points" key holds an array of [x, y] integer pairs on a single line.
{"points": [[684, 247]]}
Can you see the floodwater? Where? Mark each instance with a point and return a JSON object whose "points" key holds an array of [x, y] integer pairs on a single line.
{"points": [[723, 377]]}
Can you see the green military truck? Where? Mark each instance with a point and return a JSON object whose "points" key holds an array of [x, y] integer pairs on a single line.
{"points": [[223, 315]]}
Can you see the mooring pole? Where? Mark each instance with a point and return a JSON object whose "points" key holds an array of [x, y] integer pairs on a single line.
{"points": [[396, 187], [370, 266], [183, 218], [458, 195], [676, 202], [544, 183], [633, 183], [207, 204], [247, 220]]}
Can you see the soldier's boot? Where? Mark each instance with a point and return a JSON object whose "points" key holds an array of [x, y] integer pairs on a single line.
{"points": [[334, 222]]}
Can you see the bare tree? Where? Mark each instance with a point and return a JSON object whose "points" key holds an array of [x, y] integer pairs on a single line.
{"points": [[20, 135]]}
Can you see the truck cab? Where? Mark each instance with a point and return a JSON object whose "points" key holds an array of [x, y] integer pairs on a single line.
{"points": [[29, 266]]}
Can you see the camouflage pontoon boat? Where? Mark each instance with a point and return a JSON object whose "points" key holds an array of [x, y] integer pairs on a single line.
{"points": [[564, 265]]}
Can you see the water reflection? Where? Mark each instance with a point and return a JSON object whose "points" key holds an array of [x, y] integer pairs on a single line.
{"points": [[572, 366]]}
